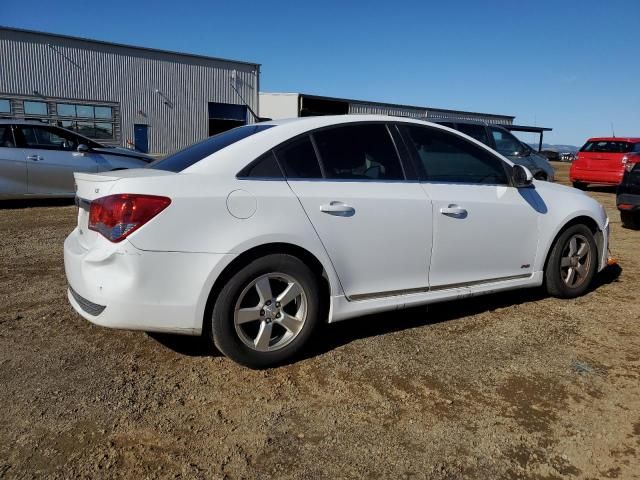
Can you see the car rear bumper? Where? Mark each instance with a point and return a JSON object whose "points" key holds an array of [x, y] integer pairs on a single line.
{"points": [[628, 202], [605, 177], [134, 289]]}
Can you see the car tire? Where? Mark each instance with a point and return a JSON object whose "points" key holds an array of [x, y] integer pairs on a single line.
{"points": [[572, 262], [630, 219], [580, 185], [267, 311]]}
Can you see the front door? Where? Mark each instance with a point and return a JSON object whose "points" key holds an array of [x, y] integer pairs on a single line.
{"points": [[375, 226], [483, 228], [52, 158], [141, 137]]}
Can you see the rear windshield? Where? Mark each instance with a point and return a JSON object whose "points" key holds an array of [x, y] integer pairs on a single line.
{"points": [[193, 154], [611, 146]]}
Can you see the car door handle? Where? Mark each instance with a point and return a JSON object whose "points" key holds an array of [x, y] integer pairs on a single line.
{"points": [[453, 211], [35, 158], [338, 208]]}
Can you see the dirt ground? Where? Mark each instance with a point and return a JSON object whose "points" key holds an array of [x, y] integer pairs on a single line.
{"points": [[514, 385]]}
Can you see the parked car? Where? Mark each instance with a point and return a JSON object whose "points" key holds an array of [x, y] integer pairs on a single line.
{"points": [[567, 156], [256, 235], [38, 160], [628, 196], [602, 160], [505, 143]]}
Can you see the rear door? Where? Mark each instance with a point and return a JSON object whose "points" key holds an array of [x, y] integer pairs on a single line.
{"points": [[13, 164], [374, 224], [484, 229], [52, 158]]}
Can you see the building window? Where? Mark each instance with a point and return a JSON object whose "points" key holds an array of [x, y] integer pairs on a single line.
{"points": [[5, 105], [78, 117], [35, 108]]}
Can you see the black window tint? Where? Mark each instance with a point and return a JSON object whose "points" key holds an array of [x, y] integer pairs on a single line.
{"points": [[298, 159], [358, 152], [636, 148], [479, 132], [193, 154], [264, 167], [607, 146], [449, 158], [6, 137]]}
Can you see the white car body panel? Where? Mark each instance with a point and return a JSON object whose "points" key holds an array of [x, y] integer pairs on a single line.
{"points": [[393, 219], [396, 251]]}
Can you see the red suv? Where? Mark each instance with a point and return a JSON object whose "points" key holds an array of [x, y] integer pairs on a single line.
{"points": [[603, 160]]}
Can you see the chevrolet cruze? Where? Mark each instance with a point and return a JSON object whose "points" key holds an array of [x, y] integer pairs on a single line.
{"points": [[256, 236]]}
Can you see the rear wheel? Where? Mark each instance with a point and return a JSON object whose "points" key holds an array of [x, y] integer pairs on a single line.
{"points": [[267, 311], [580, 185], [630, 219], [572, 262]]}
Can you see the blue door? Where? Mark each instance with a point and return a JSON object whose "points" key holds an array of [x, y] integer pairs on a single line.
{"points": [[141, 137]]}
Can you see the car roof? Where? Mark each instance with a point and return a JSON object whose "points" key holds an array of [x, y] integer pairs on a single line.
{"points": [[237, 155], [615, 139]]}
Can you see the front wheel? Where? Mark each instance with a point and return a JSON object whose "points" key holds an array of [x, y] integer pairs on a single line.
{"points": [[267, 311], [572, 263]]}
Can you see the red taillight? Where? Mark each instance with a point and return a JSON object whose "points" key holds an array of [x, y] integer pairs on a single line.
{"points": [[629, 161], [625, 206], [117, 216]]}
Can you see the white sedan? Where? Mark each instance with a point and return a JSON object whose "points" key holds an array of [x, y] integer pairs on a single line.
{"points": [[255, 236]]}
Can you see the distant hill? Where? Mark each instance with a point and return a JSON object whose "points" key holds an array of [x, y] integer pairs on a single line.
{"points": [[556, 148]]}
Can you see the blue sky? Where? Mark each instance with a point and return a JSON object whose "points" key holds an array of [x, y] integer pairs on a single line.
{"points": [[570, 65]]}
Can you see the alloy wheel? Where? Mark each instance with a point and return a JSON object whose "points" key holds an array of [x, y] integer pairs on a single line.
{"points": [[575, 261], [270, 312]]}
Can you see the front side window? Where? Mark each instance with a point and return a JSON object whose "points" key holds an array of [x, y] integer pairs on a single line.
{"points": [[506, 144], [358, 152], [48, 138], [298, 159], [446, 157], [35, 108], [193, 154], [5, 105]]}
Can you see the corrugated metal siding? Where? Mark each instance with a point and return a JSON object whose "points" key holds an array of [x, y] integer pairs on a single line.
{"points": [[83, 70], [435, 114], [373, 109], [426, 113]]}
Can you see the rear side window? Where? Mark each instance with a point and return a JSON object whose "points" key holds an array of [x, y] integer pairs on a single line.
{"points": [[358, 152], [449, 158], [479, 132], [610, 146], [193, 154], [264, 167], [298, 159]]}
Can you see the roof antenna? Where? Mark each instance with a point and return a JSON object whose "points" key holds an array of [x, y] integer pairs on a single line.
{"points": [[613, 133]]}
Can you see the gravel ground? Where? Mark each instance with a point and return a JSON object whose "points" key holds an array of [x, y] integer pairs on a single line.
{"points": [[515, 385]]}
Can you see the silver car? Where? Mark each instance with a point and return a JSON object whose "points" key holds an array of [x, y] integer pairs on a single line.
{"points": [[38, 160]]}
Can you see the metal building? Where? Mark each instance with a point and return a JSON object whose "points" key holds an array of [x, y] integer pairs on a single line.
{"points": [[291, 105], [153, 100]]}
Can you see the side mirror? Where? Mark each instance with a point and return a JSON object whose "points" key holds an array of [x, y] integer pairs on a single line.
{"points": [[522, 177], [82, 148]]}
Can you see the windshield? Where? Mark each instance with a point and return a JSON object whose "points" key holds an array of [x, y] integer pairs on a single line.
{"points": [[193, 154], [611, 146]]}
